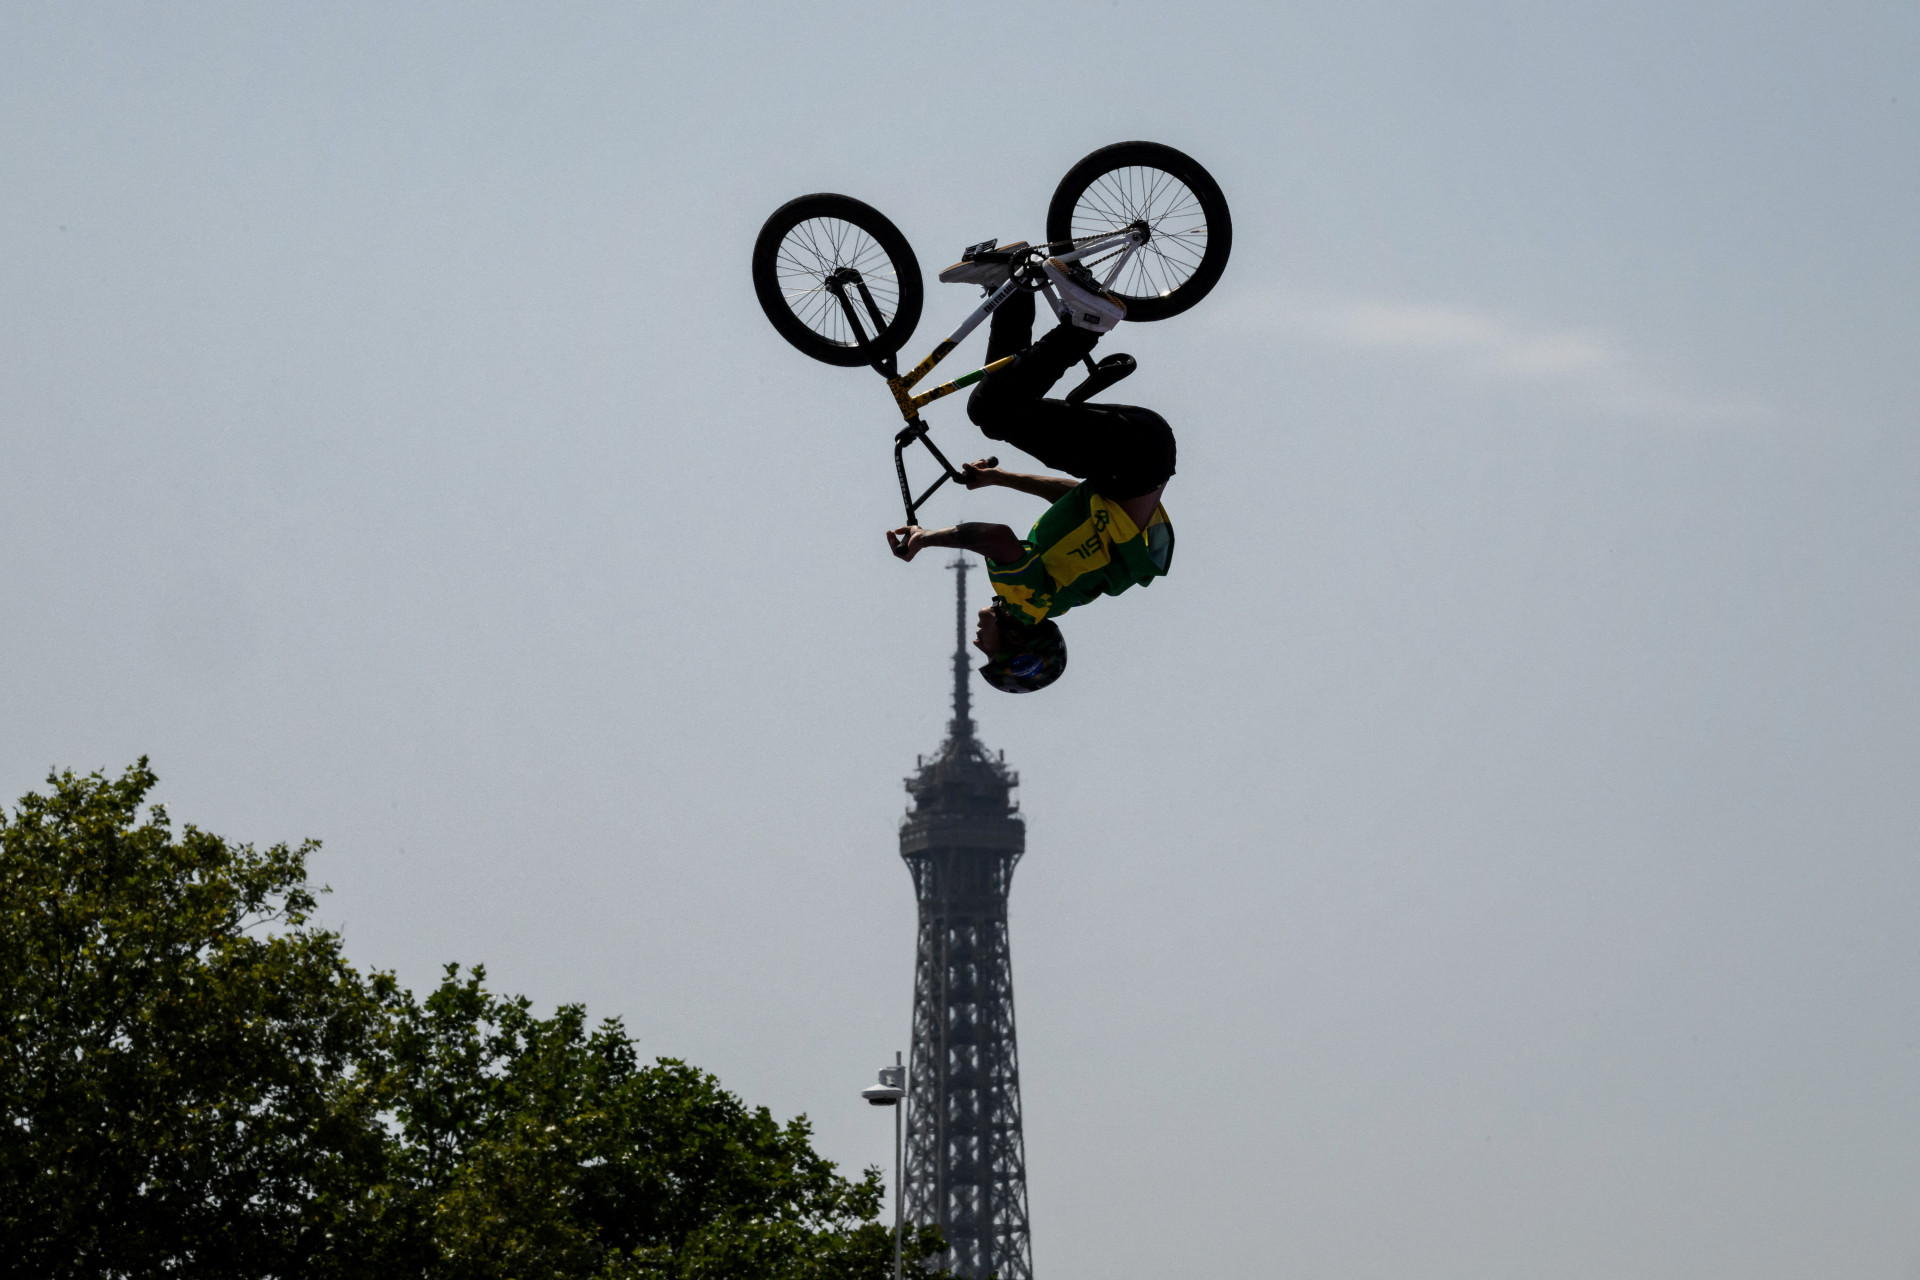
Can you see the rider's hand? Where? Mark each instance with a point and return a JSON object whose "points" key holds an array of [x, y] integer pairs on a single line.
{"points": [[905, 541], [978, 475]]}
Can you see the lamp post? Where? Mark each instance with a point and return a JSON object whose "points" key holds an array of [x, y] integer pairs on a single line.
{"points": [[892, 1092]]}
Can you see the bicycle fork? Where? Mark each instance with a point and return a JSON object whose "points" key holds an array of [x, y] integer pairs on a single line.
{"points": [[847, 280]]}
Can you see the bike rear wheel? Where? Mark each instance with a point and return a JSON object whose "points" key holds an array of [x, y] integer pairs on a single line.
{"points": [[1191, 232], [808, 239]]}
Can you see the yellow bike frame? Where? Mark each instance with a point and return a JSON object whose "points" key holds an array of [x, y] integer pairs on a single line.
{"points": [[902, 384]]}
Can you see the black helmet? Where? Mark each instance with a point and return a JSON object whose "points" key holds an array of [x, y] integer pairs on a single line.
{"points": [[1031, 656]]}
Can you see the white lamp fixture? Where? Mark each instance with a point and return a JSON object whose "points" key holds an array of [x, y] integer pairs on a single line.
{"points": [[890, 1092]]}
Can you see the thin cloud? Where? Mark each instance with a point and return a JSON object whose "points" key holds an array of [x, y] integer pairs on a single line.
{"points": [[1489, 342], [1569, 363]]}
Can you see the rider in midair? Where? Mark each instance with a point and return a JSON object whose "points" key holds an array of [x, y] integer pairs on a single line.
{"points": [[1103, 533]]}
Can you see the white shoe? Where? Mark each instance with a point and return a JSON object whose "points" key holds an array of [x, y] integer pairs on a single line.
{"points": [[1088, 306], [984, 265]]}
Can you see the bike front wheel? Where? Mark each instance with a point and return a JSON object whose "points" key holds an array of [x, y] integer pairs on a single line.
{"points": [[809, 239], [1190, 231]]}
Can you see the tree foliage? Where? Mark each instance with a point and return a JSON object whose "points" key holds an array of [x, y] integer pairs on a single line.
{"points": [[197, 1082]]}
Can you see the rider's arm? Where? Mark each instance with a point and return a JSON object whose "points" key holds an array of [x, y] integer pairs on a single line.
{"points": [[978, 475], [994, 541]]}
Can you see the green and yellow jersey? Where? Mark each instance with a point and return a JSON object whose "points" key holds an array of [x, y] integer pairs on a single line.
{"points": [[1082, 547]]}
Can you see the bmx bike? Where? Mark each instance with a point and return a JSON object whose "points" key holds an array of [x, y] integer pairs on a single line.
{"points": [[840, 282]]}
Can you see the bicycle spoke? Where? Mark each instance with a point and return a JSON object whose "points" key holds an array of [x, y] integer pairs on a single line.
{"points": [[1174, 216], [1104, 205], [814, 249]]}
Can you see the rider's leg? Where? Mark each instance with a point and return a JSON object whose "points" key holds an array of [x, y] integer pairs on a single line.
{"points": [[1126, 451], [1036, 367], [1011, 330]]}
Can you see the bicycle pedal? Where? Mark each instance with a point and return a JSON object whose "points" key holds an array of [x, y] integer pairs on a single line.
{"points": [[973, 251], [1109, 371]]}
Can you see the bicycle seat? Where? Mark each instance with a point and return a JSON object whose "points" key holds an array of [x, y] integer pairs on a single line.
{"points": [[1105, 374]]}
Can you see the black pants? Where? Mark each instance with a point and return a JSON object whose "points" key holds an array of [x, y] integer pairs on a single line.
{"points": [[1124, 450]]}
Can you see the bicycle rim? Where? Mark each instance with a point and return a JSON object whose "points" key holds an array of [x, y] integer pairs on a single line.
{"points": [[1173, 213]]}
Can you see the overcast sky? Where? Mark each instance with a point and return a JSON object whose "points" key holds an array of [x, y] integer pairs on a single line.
{"points": [[1492, 851]]}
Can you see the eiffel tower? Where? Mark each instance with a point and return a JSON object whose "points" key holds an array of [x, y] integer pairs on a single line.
{"points": [[966, 1165]]}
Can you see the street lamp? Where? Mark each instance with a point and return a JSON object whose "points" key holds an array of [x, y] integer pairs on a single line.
{"points": [[892, 1092]]}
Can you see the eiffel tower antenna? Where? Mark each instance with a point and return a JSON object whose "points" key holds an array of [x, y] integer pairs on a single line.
{"points": [[962, 726]]}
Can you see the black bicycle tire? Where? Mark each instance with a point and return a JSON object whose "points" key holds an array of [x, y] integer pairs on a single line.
{"points": [[1213, 204], [906, 269]]}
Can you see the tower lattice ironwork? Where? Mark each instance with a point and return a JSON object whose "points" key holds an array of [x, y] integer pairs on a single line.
{"points": [[966, 1159]]}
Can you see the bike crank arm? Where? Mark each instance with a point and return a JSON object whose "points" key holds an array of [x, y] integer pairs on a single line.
{"points": [[1058, 307]]}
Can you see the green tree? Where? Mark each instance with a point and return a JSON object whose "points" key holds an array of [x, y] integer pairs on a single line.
{"points": [[540, 1148], [196, 1082], [177, 1080]]}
